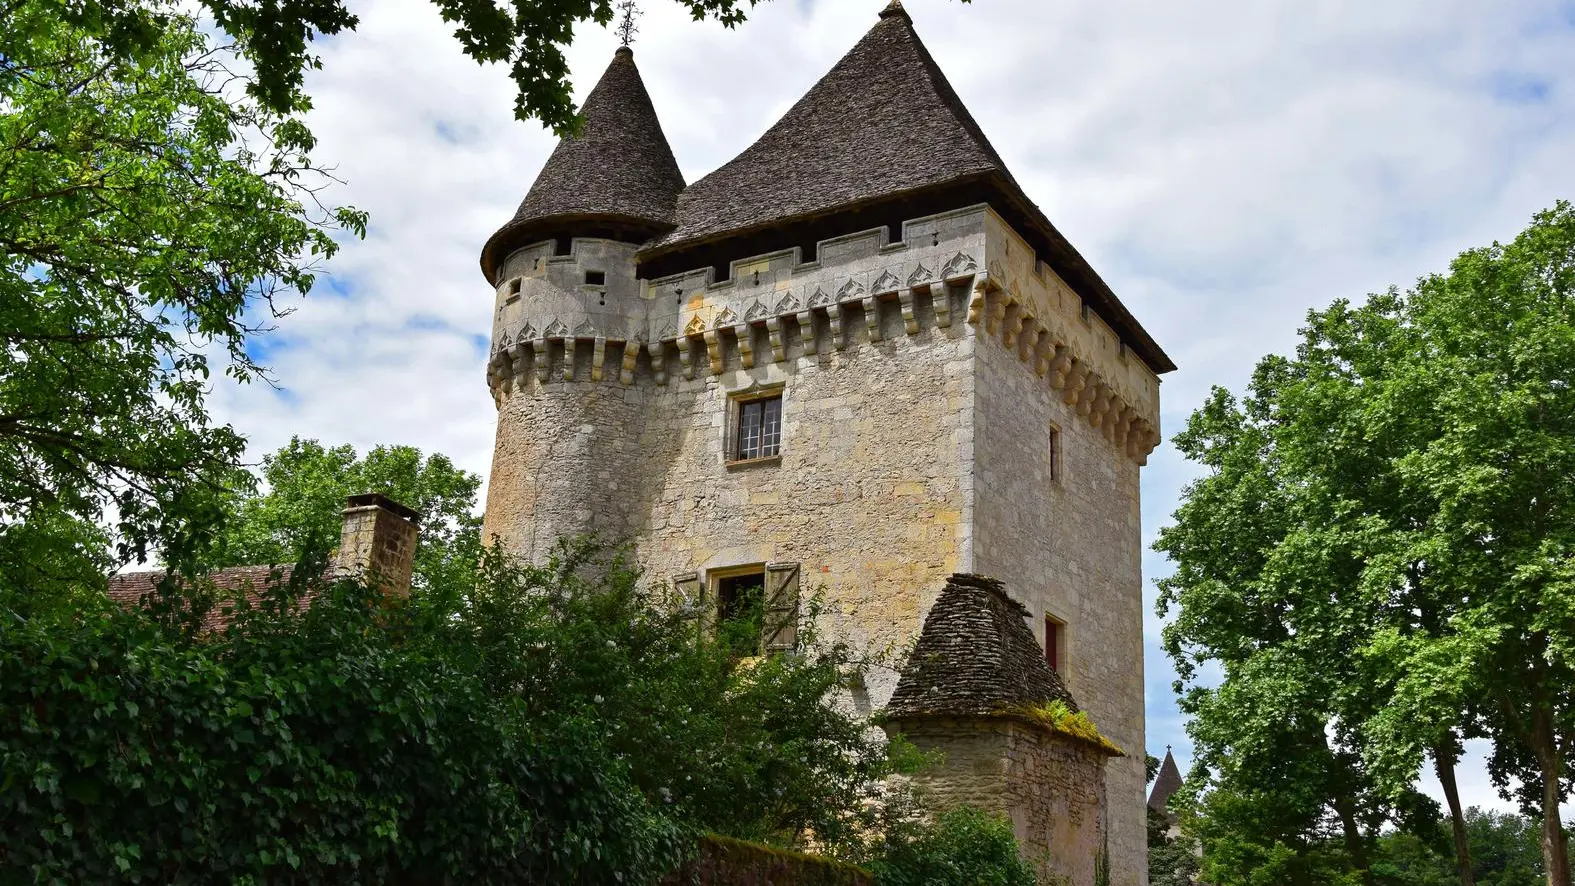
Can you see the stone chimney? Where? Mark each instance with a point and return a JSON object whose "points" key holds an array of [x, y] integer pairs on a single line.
{"points": [[378, 541]]}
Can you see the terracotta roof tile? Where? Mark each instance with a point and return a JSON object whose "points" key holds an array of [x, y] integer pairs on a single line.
{"points": [[129, 588]]}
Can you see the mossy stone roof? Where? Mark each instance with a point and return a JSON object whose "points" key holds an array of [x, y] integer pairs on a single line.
{"points": [[618, 174], [976, 656]]}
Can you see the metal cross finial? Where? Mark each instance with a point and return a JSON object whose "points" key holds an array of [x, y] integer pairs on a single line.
{"points": [[627, 28]]}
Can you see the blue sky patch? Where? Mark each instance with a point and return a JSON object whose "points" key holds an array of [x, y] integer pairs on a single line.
{"points": [[1519, 89]]}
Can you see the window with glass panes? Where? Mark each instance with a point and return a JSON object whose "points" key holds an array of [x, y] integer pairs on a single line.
{"points": [[759, 428]]}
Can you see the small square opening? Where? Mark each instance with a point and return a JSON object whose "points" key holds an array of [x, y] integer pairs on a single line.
{"points": [[596, 278]]}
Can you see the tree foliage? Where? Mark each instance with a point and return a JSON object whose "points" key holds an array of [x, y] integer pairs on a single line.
{"points": [[1379, 560], [148, 217], [298, 516], [552, 724], [526, 35]]}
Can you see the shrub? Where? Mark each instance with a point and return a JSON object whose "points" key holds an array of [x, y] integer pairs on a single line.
{"points": [[530, 724], [727, 862], [964, 847], [310, 747]]}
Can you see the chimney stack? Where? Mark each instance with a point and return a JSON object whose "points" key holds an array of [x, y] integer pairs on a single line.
{"points": [[378, 541]]}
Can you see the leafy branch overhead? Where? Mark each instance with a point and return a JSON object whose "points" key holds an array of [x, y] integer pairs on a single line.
{"points": [[527, 35]]}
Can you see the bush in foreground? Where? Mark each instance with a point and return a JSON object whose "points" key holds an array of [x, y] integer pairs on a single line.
{"points": [[964, 847]]}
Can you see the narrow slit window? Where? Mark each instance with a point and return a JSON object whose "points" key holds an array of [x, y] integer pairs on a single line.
{"points": [[759, 428], [1054, 444], [1053, 643]]}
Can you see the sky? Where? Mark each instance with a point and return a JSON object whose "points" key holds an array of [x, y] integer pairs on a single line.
{"points": [[1226, 165]]}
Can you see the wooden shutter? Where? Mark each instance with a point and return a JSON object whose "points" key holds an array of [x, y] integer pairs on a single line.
{"points": [[779, 629], [690, 593]]}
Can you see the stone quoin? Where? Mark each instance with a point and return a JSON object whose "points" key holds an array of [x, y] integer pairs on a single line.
{"points": [[855, 360]]}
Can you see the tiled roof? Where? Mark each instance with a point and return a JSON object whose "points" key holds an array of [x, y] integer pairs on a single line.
{"points": [[618, 171], [251, 582], [883, 125], [883, 122], [976, 657]]}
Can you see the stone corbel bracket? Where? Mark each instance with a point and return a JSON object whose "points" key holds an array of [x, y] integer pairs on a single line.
{"points": [[1043, 345]]}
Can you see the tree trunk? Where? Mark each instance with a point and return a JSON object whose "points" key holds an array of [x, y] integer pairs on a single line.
{"points": [[1555, 855], [1444, 758], [1355, 844]]}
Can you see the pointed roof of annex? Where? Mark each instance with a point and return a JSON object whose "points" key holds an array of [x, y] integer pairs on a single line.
{"points": [[618, 171], [884, 124], [1166, 784]]}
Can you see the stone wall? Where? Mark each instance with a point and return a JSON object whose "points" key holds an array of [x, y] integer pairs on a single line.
{"points": [[1067, 539], [1051, 786]]}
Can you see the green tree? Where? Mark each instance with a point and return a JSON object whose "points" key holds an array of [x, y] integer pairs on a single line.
{"points": [[298, 516], [1386, 533], [745, 747], [527, 35], [147, 220], [1506, 848]]}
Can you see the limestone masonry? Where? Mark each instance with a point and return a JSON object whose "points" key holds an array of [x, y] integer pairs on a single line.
{"points": [[855, 360]]}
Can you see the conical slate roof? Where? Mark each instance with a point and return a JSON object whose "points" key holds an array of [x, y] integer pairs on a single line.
{"points": [[883, 122], [975, 657], [884, 125], [1166, 784], [616, 178]]}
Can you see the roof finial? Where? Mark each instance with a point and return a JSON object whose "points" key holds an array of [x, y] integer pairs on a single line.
{"points": [[627, 28], [895, 8]]}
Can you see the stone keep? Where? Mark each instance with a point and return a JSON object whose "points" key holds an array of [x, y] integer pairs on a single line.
{"points": [[959, 390]]}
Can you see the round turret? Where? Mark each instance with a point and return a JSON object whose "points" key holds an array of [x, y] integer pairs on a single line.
{"points": [[569, 319]]}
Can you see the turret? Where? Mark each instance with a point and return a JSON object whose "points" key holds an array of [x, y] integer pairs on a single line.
{"points": [[563, 266]]}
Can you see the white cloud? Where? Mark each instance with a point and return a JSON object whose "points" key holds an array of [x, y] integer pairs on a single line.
{"points": [[1226, 165]]}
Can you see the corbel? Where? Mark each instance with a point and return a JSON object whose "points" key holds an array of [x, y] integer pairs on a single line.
{"points": [[746, 344], [910, 322], [713, 350], [941, 298], [1076, 380], [774, 332], [806, 332], [631, 355], [687, 355], [543, 359]]}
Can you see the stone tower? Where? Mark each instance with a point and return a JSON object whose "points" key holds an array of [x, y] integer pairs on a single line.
{"points": [[854, 360]]}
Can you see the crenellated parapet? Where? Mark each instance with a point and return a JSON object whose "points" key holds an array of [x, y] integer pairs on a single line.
{"points": [[776, 307]]}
